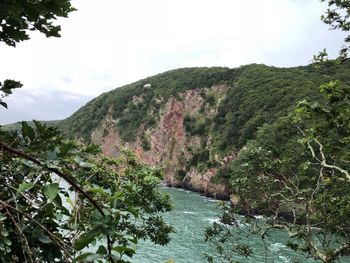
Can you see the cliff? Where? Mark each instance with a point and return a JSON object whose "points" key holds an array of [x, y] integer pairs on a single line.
{"points": [[194, 121], [167, 143]]}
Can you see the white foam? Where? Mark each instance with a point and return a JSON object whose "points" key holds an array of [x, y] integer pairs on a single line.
{"points": [[284, 259], [189, 212], [277, 247], [214, 220]]}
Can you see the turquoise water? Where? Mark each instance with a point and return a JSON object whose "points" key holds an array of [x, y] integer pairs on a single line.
{"points": [[191, 215]]}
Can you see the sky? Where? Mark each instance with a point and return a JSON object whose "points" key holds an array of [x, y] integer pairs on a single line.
{"points": [[110, 43]]}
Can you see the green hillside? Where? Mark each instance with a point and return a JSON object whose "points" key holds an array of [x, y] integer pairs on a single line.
{"points": [[258, 94], [167, 84], [17, 125]]}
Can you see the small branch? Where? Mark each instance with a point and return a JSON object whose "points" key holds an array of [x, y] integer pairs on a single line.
{"points": [[66, 177], [324, 163], [24, 196], [59, 242], [54, 170], [20, 232], [320, 178], [279, 226]]}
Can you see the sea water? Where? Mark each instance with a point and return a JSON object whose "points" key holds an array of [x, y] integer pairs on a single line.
{"points": [[192, 214]]}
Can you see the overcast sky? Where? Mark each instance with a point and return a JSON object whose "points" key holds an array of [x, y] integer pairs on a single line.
{"points": [[110, 43]]}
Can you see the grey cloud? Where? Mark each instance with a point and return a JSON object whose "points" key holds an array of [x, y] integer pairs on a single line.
{"points": [[41, 105]]}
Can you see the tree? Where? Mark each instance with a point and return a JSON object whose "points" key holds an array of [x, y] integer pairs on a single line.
{"points": [[112, 203], [6, 89], [58, 197], [19, 17], [304, 181], [337, 17], [296, 172]]}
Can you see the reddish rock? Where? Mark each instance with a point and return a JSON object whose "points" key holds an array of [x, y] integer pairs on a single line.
{"points": [[169, 141]]}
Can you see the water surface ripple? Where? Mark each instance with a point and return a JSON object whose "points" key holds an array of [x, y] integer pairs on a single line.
{"points": [[191, 215]]}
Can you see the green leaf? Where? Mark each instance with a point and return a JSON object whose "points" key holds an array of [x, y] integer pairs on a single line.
{"points": [[44, 239], [57, 201], [124, 250], [51, 191], [7, 91], [65, 148], [98, 190], [101, 250], [8, 242], [3, 104], [27, 131], [86, 238], [4, 232], [10, 84], [24, 187], [93, 232]]}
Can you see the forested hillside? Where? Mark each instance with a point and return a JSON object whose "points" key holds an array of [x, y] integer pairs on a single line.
{"points": [[195, 121]]}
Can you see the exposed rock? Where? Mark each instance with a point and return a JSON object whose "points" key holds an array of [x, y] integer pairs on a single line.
{"points": [[137, 99], [234, 199], [201, 182], [170, 146]]}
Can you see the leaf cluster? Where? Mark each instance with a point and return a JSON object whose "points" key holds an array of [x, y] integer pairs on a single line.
{"points": [[298, 168], [17, 18], [44, 217], [6, 89]]}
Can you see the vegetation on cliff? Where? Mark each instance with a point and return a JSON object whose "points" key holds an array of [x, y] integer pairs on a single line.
{"points": [[291, 160], [120, 101], [298, 167], [292, 143], [257, 95], [261, 94]]}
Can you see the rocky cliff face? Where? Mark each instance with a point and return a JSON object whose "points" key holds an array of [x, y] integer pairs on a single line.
{"points": [[168, 144], [193, 121]]}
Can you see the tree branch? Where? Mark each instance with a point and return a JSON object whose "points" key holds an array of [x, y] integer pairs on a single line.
{"points": [[59, 242], [66, 177]]}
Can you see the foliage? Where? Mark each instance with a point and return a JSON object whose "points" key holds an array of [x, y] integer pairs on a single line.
{"points": [[298, 167], [221, 233], [19, 17], [181, 174], [120, 101], [210, 99], [17, 126], [201, 156], [60, 198], [306, 178], [261, 94], [107, 205], [6, 89], [146, 145], [196, 127], [337, 17]]}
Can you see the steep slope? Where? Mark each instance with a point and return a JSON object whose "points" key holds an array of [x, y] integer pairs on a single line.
{"points": [[193, 121]]}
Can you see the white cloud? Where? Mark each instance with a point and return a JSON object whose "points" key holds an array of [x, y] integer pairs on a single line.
{"points": [[111, 43]]}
